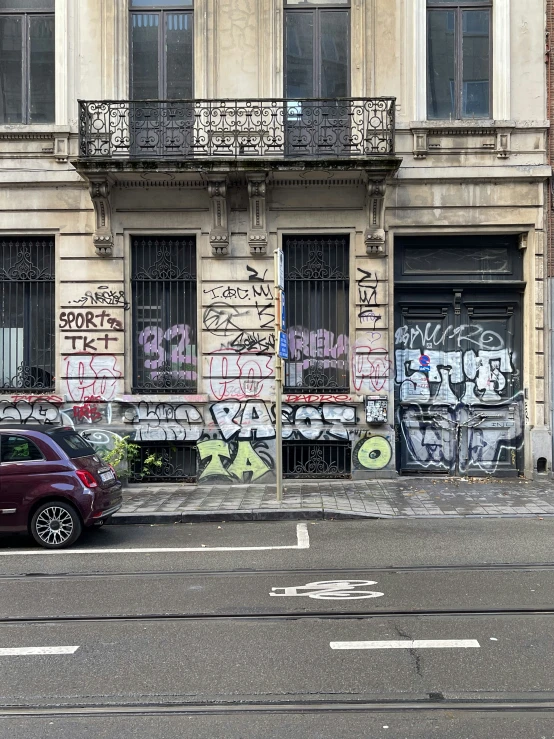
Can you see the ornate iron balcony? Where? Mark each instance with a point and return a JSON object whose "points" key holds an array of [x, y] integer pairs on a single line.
{"points": [[235, 129]]}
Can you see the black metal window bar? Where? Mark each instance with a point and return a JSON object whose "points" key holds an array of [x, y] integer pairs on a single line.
{"points": [[279, 128], [164, 314], [27, 329], [316, 291], [325, 459], [168, 462]]}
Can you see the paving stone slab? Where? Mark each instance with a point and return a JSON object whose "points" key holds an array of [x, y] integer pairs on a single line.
{"points": [[402, 498]]}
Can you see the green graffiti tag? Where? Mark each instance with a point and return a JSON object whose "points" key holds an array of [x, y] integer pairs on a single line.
{"points": [[246, 465], [374, 453]]}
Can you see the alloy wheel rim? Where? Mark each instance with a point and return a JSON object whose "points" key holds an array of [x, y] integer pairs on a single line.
{"points": [[54, 525]]}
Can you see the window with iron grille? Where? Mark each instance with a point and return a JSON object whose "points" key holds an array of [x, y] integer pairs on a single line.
{"points": [[325, 459], [316, 290], [173, 461], [164, 314], [459, 59], [27, 78], [27, 310]]}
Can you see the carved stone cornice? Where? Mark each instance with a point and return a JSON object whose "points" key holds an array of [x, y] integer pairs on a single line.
{"points": [[375, 233], [103, 240], [219, 232], [257, 235]]}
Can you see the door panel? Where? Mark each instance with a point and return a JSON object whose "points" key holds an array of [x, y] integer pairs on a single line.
{"points": [[460, 408]]}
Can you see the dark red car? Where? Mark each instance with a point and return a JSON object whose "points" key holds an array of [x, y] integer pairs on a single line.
{"points": [[52, 484]]}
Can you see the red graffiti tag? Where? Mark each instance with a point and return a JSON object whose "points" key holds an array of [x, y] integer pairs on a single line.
{"points": [[86, 412], [318, 399], [37, 398]]}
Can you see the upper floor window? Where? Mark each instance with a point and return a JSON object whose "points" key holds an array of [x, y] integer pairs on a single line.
{"points": [[317, 49], [458, 59], [27, 79], [27, 309], [164, 314], [316, 286], [161, 49]]}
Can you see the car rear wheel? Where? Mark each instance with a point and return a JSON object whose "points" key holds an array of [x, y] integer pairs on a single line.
{"points": [[56, 525]]}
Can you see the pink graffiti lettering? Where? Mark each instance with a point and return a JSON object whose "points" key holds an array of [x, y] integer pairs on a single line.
{"points": [[239, 376], [371, 366], [182, 354], [89, 377], [305, 345]]}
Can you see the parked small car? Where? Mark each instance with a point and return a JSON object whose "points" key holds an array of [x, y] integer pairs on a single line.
{"points": [[53, 484]]}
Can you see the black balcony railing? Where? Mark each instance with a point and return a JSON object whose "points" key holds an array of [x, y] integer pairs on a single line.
{"points": [[191, 129]]}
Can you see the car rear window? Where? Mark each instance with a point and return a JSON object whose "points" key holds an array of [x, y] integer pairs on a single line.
{"points": [[73, 444]]}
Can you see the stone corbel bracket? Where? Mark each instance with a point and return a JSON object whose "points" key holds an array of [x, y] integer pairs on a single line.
{"points": [[503, 142], [420, 144], [257, 235], [219, 232], [61, 147], [375, 233], [102, 238]]}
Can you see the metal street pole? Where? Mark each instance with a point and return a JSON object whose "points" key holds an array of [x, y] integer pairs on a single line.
{"points": [[278, 379]]}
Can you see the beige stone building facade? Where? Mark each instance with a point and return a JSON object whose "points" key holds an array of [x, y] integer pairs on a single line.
{"points": [[395, 150]]}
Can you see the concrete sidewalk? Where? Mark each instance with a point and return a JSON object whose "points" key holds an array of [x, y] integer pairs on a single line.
{"points": [[407, 497]]}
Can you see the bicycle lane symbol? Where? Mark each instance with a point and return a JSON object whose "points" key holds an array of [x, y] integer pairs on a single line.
{"points": [[330, 590]]}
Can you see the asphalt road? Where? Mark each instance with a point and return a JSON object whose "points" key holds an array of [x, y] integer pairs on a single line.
{"points": [[398, 629]]}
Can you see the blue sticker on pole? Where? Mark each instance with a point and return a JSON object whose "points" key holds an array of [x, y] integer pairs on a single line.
{"points": [[283, 313], [283, 345]]}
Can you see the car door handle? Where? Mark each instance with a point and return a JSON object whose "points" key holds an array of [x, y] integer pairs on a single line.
{"points": [[8, 510]]}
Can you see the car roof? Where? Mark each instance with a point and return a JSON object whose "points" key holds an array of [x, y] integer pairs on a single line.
{"points": [[34, 427]]}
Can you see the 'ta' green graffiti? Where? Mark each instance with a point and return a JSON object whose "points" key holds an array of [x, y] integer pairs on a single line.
{"points": [[246, 461]]}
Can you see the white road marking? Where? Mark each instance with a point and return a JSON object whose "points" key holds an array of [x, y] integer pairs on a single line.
{"points": [[408, 644], [329, 590], [29, 651], [302, 536]]}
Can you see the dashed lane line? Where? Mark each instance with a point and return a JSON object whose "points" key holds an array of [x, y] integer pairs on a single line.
{"points": [[408, 644], [34, 651]]}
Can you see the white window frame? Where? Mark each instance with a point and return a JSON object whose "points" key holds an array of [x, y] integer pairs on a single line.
{"points": [[500, 59]]}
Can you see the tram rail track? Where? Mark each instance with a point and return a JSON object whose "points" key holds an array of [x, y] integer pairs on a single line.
{"points": [[316, 571], [281, 616], [521, 704]]}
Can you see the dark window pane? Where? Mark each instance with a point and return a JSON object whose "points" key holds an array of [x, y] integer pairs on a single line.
{"points": [[19, 449], [179, 59], [317, 2], [41, 67], [144, 56], [456, 2], [334, 49], [476, 63], [161, 3], [300, 55], [21, 5], [73, 444], [11, 69], [441, 78]]}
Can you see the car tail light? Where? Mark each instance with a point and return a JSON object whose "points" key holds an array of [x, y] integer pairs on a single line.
{"points": [[87, 479]]}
